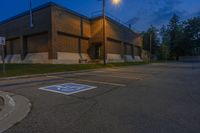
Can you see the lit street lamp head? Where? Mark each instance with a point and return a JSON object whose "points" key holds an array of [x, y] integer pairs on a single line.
{"points": [[116, 2]]}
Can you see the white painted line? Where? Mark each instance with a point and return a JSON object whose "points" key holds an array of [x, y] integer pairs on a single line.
{"points": [[90, 81], [122, 77], [99, 82], [53, 77]]}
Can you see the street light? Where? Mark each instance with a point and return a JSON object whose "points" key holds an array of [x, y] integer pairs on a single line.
{"points": [[115, 2], [150, 36], [31, 15], [150, 47]]}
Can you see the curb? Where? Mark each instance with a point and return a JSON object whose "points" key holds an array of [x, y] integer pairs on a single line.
{"points": [[15, 109], [1, 103], [55, 74]]}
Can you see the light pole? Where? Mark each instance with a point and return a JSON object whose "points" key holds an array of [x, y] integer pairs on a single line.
{"points": [[150, 43], [104, 31], [31, 14], [115, 2]]}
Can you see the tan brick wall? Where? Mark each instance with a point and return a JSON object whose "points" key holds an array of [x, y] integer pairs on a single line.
{"points": [[128, 49], [67, 22], [114, 47], [86, 28], [137, 51], [73, 28], [66, 44], [96, 31], [37, 43], [138, 40], [114, 31], [21, 26], [84, 45], [119, 32], [13, 47]]}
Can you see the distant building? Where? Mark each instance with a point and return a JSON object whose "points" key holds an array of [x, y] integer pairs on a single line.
{"points": [[62, 36]]}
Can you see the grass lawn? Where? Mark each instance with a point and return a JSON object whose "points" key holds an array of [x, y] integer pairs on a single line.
{"points": [[28, 69]]}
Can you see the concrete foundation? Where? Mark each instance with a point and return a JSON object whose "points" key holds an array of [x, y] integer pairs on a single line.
{"points": [[128, 58], [137, 59], [13, 58], [67, 58], [0, 59], [114, 58], [36, 58]]}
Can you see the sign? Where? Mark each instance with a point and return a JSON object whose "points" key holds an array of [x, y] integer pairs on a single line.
{"points": [[68, 88], [2, 41]]}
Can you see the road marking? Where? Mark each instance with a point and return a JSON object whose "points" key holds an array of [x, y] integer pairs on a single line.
{"points": [[67, 88], [122, 77], [99, 82], [53, 77], [131, 78], [91, 81]]}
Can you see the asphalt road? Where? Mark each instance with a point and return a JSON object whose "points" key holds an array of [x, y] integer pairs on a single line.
{"points": [[157, 98]]}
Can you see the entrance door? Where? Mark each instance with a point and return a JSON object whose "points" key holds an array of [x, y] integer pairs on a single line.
{"points": [[95, 51]]}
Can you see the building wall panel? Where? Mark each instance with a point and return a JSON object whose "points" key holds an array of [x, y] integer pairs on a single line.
{"points": [[13, 47], [37, 43], [96, 31], [67, 44], [114, 47], [21, 25], [84, 45]]}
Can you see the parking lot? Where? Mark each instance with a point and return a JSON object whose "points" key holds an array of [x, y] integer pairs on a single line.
{"points": [[156, 98]]}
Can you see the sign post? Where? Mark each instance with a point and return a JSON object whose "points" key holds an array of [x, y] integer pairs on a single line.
{"points": [[2, 44]]}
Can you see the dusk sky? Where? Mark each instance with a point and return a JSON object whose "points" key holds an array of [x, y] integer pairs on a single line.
{"points": [[140, 13]]}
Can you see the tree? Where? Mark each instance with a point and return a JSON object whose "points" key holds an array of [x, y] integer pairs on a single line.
{"points": [[192, 34], [163, 52], [175, 32], [150, 40]]}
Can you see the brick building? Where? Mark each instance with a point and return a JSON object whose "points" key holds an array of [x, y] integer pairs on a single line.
{"points": [[62, 36]]}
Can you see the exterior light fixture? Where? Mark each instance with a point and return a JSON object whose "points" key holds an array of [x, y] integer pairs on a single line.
{"points": [[116, 2]]}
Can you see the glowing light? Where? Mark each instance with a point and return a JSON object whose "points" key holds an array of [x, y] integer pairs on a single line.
{"points": [[116, 2]]}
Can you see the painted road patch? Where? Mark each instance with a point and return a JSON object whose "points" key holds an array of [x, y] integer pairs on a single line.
{"points": [[68, 88]]}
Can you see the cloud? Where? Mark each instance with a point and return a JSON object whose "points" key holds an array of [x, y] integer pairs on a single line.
{"points": [[134, 20], [197, 13], [166, 10], [158, 12]]}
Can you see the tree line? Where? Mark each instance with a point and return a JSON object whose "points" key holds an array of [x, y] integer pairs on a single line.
{"points": [[178, 38]]}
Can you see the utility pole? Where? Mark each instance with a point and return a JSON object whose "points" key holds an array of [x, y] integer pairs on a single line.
{"points": [[104, 31], [115, 2], [150, 47]]}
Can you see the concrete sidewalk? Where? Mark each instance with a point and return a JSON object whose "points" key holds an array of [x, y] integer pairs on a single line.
{"points": [[13, 108]]}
